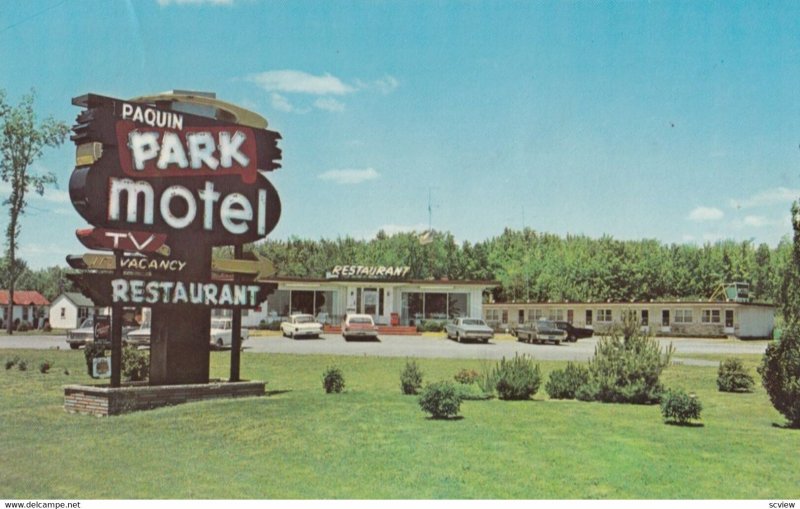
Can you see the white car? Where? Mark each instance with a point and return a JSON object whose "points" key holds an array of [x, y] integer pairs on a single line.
{"points": [[301, 325], [221, 332], [359, 326], [139, 337]]}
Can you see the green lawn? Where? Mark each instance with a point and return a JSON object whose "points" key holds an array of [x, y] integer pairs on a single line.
{"points": [[373, 442]]}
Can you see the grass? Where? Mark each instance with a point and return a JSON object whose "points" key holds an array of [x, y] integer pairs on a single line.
{"points": [[373, 442]]}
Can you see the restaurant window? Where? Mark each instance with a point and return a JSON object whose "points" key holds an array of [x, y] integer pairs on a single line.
{"points": [[683, 316], [457, 305], [711, 316]]}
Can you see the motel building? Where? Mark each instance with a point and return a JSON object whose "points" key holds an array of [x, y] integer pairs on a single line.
{"points": [[395, 302], [728, 313]]}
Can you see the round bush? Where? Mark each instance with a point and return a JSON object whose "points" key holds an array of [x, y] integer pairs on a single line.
{"points": [[733, 377], [135, 364], [780, 374], [517, 379], [466, 376], [679, 407], [333, 380], [411, 378], [565, 383], [440, 399], [23, 326]]}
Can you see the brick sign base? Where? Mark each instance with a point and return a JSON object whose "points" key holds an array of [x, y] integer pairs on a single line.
{"points": [[102, 400]]}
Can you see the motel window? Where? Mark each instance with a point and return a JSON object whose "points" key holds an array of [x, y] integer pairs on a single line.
{"points": [[711, 316], [588, 317], [492, 315], [570, 315], [535, 314], [665, 317], [604, 315], [555, 314], [645, 317], [683, 316], [521, 316], [505, 316]]}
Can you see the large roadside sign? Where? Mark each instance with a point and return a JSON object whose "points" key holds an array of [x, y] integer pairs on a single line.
{"points": [[162, 180], [144, 169]]}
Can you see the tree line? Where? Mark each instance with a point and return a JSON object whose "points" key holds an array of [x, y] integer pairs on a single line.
{"points": [[529, 265]]}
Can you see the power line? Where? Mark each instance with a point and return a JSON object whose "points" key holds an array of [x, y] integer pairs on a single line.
{"points": [[18, 23]]}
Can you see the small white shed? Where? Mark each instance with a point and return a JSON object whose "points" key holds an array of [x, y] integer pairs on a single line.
{"points": [[68, 310]]}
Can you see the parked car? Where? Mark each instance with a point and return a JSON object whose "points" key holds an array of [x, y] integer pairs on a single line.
{"points": [[540, 331], [359, 326], [88, 330], [464, 329], [221, 332], [85, 332], [138, 337], [573, 333], [301, 325]]}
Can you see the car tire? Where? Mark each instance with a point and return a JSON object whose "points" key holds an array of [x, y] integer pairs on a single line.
{"points": [[220, 343], [74, 346], [558, 342], [458, 337]]}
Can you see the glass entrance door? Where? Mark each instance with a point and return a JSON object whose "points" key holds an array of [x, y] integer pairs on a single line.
{"points": [[369, 301]]}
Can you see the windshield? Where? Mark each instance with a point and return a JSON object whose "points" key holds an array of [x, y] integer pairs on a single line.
{"points": [[546, 324], [473, 322], [87, 323], [220, 324]]}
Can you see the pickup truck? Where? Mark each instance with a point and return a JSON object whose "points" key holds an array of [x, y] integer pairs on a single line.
{"points": [[540, 331], [221, 332], [463, 329]]}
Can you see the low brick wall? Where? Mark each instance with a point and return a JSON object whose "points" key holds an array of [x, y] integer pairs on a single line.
{"points": [[102, 400]]}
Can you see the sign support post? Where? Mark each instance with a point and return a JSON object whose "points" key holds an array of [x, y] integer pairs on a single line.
{"points": [[236, 326], [116, 335]]}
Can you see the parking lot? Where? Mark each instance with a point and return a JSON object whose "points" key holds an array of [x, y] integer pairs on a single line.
{"points": [[439, 347]]}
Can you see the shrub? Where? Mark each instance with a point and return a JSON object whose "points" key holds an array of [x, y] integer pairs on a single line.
{"points": [[518, 378], [44, 367], [411, 378], [333, 380], [466, 376], [91, 352], [441, 399], [135, 364], [47, 327], [23, 326], [565, 383], [733, 377], [262, 325], [22, 365], [626, 366], [10, 363], [780, 374], [679, 407], [487, 380]]}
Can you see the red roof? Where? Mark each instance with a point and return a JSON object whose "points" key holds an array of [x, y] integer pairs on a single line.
{"points": [[24, 298]]}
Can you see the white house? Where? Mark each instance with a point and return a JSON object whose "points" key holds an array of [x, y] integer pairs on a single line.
{"points": [[29, 306], [68, 310]]}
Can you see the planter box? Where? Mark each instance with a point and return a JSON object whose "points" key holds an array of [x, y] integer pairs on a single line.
{"points": [[102, 400]]}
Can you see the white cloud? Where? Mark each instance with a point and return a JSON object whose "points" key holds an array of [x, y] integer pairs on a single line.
{"points": [[281, 103], [329, 104], [350, 176], [756, 221], [775, 196], [706, 214], [385, 85], [299, 82], [167, 3]]}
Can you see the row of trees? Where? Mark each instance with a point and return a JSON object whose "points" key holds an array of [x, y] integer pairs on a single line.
{"points": [[541, 266]]}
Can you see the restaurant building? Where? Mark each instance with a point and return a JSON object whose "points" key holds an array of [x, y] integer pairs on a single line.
{"points": [[382, 292]]}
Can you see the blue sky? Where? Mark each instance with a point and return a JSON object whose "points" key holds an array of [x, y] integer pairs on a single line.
{"points": [[678, 121]]}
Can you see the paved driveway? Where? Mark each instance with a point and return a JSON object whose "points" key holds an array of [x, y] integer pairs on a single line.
{"points": [[439, 347]]}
